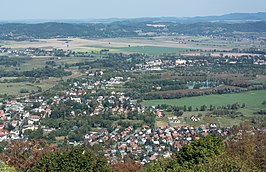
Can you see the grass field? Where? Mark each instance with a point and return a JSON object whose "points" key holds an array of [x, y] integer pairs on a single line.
{"points": [[259, 80], [97, 49], [252, 99], [224, 121], [14, 88], [182, 41], [152, 50]]}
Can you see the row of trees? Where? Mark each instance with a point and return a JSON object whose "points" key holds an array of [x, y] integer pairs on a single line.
{"points": [[171, 108], [12, 61], [174, 95], [37, 73]]}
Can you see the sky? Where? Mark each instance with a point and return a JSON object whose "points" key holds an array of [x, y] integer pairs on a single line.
{"points": [[87, 9]]}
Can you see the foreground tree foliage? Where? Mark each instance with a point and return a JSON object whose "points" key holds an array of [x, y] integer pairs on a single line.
{"points": [[200, 151], [6, 168], [76, 159], [39, 155], [127, 166], [246, 152], [224, 163], [191, 156], [22, 155], [250, 150], [210, 154]]}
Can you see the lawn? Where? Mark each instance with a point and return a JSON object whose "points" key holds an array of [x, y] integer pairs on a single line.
{"points": [[252, 99]]}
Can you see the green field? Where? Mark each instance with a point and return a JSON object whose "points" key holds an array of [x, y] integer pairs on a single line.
{"points": [[260, 81], [252, 99], [152, 50], [97, 49], [14, 88]]}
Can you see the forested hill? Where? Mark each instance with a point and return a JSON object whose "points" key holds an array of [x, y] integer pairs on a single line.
{"points": [[124, 29]]}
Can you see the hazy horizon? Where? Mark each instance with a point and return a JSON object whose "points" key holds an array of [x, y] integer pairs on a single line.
{"points": [[103, 9], [103, 18]]}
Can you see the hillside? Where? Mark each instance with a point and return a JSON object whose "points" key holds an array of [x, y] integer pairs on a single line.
{"points": [[124, 29]]}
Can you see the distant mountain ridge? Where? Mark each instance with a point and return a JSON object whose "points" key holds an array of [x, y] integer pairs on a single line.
{"points": [[232, 17], [240, 17]]}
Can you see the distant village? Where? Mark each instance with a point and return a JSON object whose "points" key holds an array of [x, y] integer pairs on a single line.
{"points": [[152, 65], [159, 64]]}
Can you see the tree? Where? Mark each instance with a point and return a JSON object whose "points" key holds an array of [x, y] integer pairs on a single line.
{"points": [[9, 127], [24, 90], [36, 134], [6, 168], [191, 157], [200, 151], [160, 166], [127, 166], [74, 159], [203, 108], [185, 108], [22, 155], [222, 163], [249, 150]]}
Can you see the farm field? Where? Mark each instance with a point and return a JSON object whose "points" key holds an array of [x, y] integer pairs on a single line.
{"points": [[152, 45], [224, 121], [252, 99], [153, 50], [14, 88], [98, 50], [39, 62], [259, 80]]}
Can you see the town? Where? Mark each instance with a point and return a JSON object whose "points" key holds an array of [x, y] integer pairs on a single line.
{"points": [[133, 91], [143, 143]]}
